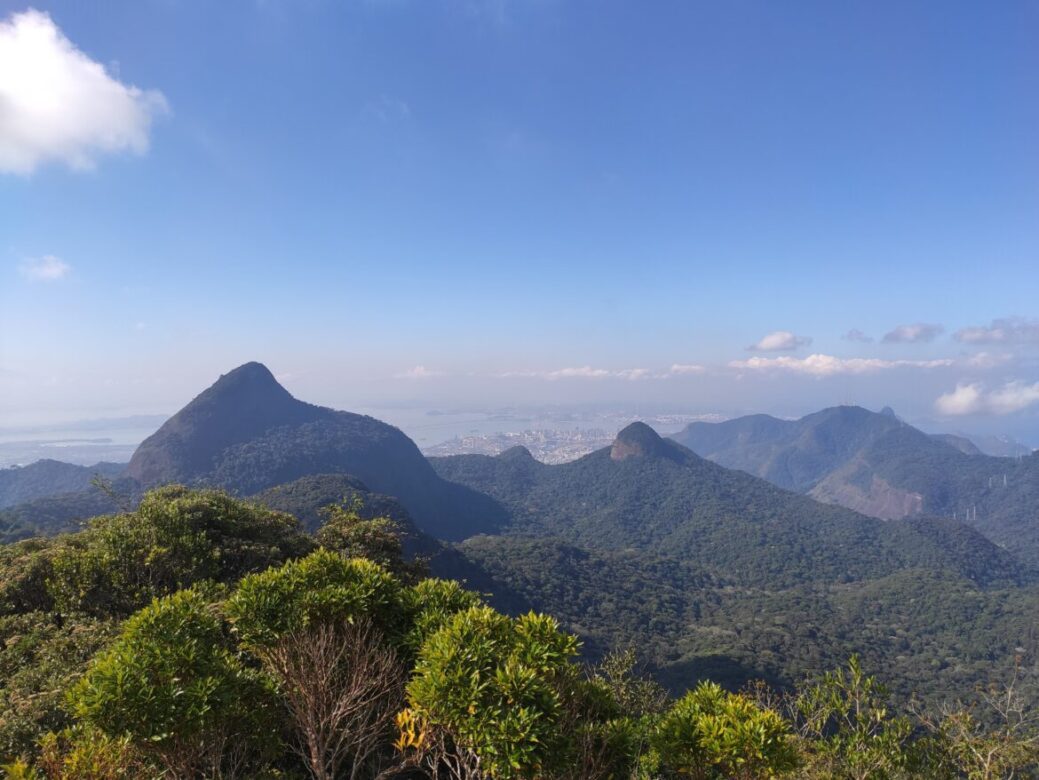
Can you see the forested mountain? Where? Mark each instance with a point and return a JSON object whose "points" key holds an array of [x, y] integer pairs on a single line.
{"points": [[880, 466], [246, 433], [714, 573], [653, 495], [934, 632], [20, 484], [308, 499]]}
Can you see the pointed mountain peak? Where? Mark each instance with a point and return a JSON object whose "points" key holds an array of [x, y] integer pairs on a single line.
{"points": [[241, 405], [639, 439], [248, 378]]}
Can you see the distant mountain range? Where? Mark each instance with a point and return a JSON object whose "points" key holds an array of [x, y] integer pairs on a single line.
{"points": [[741, 549], [45, 478], [651, 494], [713, 572], [878, 465]]}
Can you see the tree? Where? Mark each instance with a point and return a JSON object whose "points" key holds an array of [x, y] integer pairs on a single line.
{"points": [[327, 629], [175, 538], [377, 539], [995, 738], [40, 658], [710, 734], [171, 684], [488, 695], [848, 730], [342, 685], [430, 603]]}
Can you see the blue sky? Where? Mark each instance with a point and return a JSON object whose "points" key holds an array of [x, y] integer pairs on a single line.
{"points": [[507, 201]]}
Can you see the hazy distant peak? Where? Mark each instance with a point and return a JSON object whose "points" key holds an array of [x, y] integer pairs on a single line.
{"points": [[638, 439], [887, 411], [517, 453]]}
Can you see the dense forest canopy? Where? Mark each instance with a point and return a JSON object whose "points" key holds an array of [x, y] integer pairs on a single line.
{"points": [[207, 636]]}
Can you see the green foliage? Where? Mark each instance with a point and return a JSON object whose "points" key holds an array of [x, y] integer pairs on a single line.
{"points": [[430, 604], [324, 587], [378, 539], [173, 686], [711, 734], [849, 729], [494, 684], [175, 538], [633, 694], [935, 635], [86, 753], [25, 568], [40, 658], [20, 770]]}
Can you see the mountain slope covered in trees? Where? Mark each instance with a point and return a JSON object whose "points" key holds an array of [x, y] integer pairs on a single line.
{"points": [[878, 465], [653, 495], [45, 478], [246, 433]]}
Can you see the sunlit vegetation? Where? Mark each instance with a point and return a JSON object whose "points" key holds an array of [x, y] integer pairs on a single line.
{"points": [[205, 636]]}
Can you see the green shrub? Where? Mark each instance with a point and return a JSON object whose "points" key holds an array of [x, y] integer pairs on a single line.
{"points": [[175, 538], [324, 587], [710, 733], [494, 687], [172, 685]]}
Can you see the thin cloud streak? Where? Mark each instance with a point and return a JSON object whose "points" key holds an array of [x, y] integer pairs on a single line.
{"points": [[820, 365], [1008, 330]]}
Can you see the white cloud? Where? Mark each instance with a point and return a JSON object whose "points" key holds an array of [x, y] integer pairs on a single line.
{"points": [[779, 341], [985, 360], [828, 365], [418, 372], [1009, 330], [965, 399], [975, 399], [1013, 397], [857, 335], [683, 369], [58, 104], [44, 269], [913, 334]]}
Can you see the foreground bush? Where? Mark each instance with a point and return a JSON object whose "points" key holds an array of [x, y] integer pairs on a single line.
{"points": [[714, 735], [172, 686]]}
